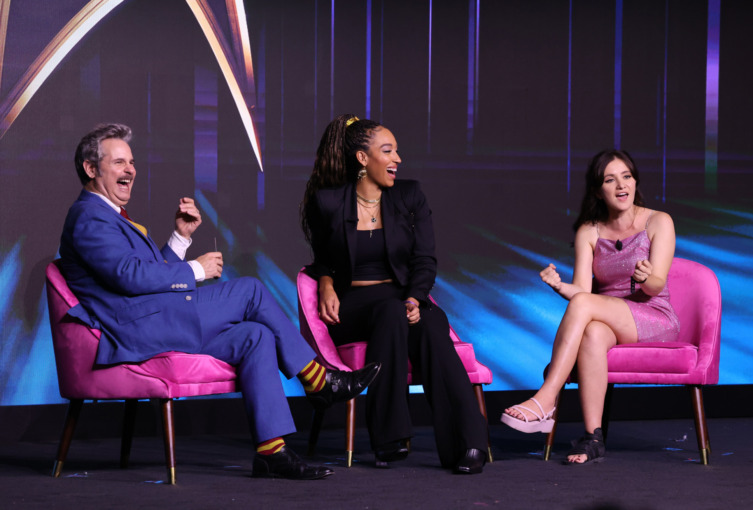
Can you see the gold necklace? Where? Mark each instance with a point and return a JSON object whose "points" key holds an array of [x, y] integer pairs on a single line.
{"points": [[373, 216], [366, 200]]}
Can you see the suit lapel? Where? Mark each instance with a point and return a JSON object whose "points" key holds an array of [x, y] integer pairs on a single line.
{"points": [[87, 196], [389, 221], [350, 220]]}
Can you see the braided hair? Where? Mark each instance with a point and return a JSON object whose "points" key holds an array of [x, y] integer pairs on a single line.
{"points": [[336, 160]]}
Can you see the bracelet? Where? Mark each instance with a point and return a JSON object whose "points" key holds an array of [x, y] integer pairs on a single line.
{"points": [[643, 281]]}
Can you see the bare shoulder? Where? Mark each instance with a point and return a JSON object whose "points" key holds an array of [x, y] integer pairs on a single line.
{"points": [[659, 221], [587, 233]]}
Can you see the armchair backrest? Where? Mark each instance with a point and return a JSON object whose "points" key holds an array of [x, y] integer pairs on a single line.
{"points": [[313, 329], [696, 297], [74, 343]]}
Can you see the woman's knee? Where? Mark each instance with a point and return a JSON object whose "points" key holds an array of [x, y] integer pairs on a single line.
{"points": [[581, 304], [581, 300], [435, 322], [388, 326], [388, 310], [598, 338]]}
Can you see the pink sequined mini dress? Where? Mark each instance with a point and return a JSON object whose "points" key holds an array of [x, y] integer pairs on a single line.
{"points": [[654, 316]]}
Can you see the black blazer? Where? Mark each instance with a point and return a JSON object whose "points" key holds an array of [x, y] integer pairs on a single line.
{"points": [[408, 233]]}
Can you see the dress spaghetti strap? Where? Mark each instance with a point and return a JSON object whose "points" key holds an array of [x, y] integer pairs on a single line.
{"points": [[651, 214]]}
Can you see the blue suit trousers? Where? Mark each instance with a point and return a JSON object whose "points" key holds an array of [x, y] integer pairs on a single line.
{"points": [[242, 324]]}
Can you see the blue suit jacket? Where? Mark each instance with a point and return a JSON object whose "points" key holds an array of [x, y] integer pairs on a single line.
{"points": [[142, 298]]}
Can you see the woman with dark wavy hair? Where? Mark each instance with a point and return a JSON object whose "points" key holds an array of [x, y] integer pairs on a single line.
{"points": [[373, 244], [623, 252]]}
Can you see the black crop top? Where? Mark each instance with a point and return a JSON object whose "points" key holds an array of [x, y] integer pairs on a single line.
{"points": [[371, 256]]}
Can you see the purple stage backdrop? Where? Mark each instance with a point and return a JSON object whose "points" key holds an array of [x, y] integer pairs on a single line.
{"points": [[497, 105]]}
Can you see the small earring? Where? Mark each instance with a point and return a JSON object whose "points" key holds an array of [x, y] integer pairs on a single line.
{"points": [[362, 173]]}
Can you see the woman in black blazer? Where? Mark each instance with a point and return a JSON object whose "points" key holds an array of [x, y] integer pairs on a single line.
{"points": [[373, 245]]}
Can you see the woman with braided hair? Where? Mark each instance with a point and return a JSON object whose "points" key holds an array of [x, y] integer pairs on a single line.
{"points": [[373, 244]]}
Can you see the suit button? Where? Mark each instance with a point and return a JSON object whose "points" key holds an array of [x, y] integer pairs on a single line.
{"points": [[188, 298]]}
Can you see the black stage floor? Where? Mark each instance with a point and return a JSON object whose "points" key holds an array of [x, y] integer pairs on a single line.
{"points": [[650, 465]]}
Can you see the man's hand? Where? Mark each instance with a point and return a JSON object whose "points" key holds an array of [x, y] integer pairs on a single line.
{"points": [[187, 218], [212, 264]]}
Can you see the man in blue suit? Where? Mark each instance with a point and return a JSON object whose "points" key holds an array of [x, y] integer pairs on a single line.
{"points": [[146, 301]]}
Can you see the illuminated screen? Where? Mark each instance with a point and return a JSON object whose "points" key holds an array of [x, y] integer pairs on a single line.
{"points": [[496, 107]]}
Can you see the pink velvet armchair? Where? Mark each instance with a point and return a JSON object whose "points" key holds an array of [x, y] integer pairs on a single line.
{"points": [[352, 356], [693, 360], [166, 376]]}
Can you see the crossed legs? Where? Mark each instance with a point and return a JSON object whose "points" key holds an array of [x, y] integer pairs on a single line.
{"points": [[243, 325], [592, 325]]}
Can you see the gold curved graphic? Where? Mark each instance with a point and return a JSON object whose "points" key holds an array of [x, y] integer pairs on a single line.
{"points": [[233, 58], [52, 55], [4, 13], [236, 80]]}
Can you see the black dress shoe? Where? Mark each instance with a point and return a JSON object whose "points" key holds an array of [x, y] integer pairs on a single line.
{"points": [[472, 462], [286, 464], [342, 386], [391, 452]]}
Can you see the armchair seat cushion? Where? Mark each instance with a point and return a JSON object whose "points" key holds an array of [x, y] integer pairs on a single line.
{"points": [[653, 358], [183, 368], [353, 354]]}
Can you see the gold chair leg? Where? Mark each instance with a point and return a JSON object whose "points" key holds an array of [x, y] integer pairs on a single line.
{"points": [[74, 410], [57, 469], [705, 457], [350, 431], [169, 433], [699, 415], [550, 437]]}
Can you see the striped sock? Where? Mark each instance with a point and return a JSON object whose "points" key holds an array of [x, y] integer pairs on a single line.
{"points": [[270, 446], [313, 377]]}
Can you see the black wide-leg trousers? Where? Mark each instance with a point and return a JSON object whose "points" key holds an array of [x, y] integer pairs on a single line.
{"points": [[376, 314]]}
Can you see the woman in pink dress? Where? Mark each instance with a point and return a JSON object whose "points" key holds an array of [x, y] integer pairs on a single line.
{"points": [[623, 252]]}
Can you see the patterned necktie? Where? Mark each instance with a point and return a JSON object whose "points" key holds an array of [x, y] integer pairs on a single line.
{"points": [[141, 228]]}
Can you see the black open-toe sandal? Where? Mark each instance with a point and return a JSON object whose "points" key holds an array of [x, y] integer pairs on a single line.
{"points": [[590, 445]]}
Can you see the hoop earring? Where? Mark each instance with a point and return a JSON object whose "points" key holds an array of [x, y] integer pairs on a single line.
{"points": [[362, 173]]}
